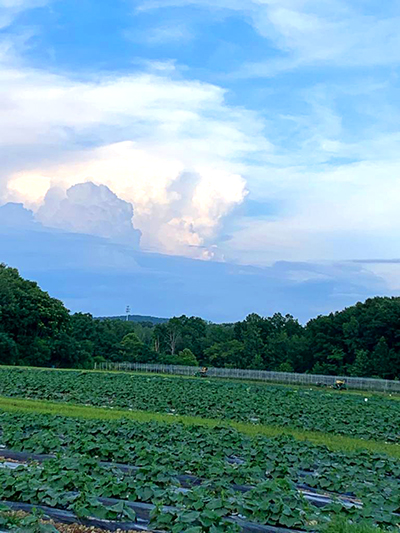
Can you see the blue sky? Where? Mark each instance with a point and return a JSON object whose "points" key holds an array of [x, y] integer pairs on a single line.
{"points": [[244, 131]]}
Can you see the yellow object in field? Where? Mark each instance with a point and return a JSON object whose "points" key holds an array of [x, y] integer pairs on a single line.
{"points": [[340, 384]]}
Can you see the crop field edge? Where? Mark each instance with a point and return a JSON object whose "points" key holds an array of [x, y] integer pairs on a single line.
{"points": [[331, 441], [366, 394]]}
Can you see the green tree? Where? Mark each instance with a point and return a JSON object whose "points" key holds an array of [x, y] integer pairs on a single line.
{"points": [[216, 333], [285, 367], [186, 358], [361, 340], [29, 318], [332, 364], [67, 352], [8, 350], [173, 334], [362, 366], [134, 350], [225, 354], [385, 360], [257, 363]]}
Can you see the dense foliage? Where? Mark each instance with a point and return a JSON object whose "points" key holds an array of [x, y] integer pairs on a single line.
{"points": [[345, 413], [195, 477], [362, 340]]}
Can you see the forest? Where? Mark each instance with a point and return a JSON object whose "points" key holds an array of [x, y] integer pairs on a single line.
{"points": [[38, 330]]}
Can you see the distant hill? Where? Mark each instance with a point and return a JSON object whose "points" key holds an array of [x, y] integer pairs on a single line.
{"points": [[136, 318]]}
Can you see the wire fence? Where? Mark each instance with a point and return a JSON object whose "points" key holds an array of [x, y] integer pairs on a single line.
{"points": [[367, 384]]}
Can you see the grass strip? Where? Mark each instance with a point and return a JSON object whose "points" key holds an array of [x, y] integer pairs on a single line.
{"points": [[334, 442]]}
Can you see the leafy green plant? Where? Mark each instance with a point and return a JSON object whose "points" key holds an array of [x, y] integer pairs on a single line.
{"points": [[32, 523]]}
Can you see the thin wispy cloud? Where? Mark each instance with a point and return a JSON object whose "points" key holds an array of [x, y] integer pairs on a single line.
{"points": [[311, 32], [163, 34], [9, 9]]}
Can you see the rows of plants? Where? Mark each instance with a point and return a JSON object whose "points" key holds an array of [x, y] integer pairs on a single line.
{"points": [[27, 523], [89, 455], [376, 417]]}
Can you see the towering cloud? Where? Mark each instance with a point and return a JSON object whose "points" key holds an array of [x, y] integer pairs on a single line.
{"points": [[92, 209], [80, 152], [175, 211], [178, 159]]}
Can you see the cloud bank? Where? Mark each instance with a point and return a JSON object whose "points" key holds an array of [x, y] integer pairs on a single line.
{"points": [[172, 132], [92, 274]]}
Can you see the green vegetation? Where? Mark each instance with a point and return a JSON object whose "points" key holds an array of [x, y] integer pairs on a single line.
{"points": [[38, 330], [33, 326], [333, 442], [343, 526], [209, 463], [205, 456], [375, 418], [16, 523]]}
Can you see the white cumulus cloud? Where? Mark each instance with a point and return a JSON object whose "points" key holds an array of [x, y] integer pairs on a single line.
{"points": [[137, 135], [92, 209]]}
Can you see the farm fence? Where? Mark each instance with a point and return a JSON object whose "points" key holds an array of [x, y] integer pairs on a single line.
{"points": [[367, 384]]}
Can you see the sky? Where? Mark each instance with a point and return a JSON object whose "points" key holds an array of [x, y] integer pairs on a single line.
{"points": [[249, 139]]}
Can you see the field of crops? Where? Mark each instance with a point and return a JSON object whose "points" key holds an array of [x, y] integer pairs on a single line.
{"points": [[178, 478], [376, 417], [128, 475]]}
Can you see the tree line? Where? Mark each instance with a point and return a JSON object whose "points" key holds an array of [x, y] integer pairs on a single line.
{"points": [[362, 340]]}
